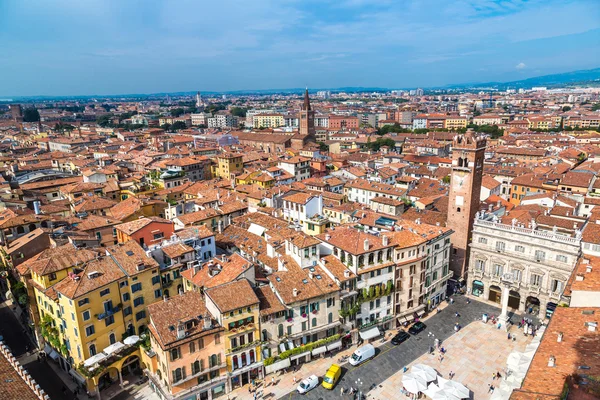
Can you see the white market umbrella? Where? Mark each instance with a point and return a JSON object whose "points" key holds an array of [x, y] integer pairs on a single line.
{"points": [[516, 360], [94, 359], [413, 383], [425, 371], [454, 388], [131, 339], [501, 393], [113, 348], [431, 390], [513, 381]]}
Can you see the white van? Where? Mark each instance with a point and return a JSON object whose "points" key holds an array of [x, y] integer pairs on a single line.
{"points": [[362, 354]]}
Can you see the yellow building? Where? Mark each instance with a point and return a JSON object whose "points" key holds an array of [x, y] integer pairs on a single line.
{"points": [[228, 164], [87, 309], [268, 121], [315, 225], [259, 178], [453, 123], [236, 308]]}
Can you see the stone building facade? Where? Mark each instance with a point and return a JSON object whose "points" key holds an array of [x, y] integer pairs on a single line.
{"points": [[539, 261]]}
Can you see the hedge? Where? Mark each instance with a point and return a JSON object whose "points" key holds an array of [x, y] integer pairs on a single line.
{"points": [[306, 347]]}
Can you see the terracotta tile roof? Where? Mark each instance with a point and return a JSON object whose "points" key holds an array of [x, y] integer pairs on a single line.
{"points": [[489, 182], [58, 258], [352, 240], [382, 188], [192, 218], [177, 250], [579, 347], [577, 179], [338, 269], [233, 295], [218, 271], [126, 208], [12, 386], [269, 302], [581, 279], [299, 198], [591, 233], [92, 222], [131, 258], [165, 316], [294, 277], [130, 228], [93, 203], [106, 272], [192, 232]]}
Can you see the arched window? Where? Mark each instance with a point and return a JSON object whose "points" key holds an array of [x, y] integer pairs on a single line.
{"points": [[92, 350], [31, 227], [380, 256], [111, 338], [265, 336], [196, 367], [130, 329], [460, 162], [177, 375], [389, 254], [280, 330], [20, 230], [244, 359], [234, 362], [361, 260], [371, 258], [252, 356], [314, 322], [213, 360], [330, 318]]}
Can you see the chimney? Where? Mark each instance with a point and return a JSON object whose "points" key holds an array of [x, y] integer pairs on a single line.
{"points": [[207, 322], [551, 361], [385, 240], [346, 273], [490, 207], [588, 269], [165, 299], [311, 275], [366, 244], [180, 330], [295, 292], [37, 207], [560, 337]]}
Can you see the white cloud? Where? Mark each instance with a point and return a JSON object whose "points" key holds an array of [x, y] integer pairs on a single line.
{"points": [[520, 65]]}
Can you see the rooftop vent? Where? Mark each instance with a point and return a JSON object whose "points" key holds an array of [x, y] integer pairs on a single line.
{"points": [[295, 292], [93, 274]]}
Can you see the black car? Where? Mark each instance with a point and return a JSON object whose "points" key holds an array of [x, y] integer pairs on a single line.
{"points": [[416, 328], [400, 337]]}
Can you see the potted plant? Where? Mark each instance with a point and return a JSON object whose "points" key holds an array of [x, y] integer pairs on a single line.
{"points": [[304, 315], [314, 311], [290, 320]]}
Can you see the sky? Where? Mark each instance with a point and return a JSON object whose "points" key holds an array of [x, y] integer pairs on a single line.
{"points": [[89, 47]]}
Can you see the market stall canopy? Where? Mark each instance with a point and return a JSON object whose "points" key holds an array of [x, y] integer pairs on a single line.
{"points": [[413, 383], [131, 339], [426, 371], [113, 348], [370, 333], [94, 359]]}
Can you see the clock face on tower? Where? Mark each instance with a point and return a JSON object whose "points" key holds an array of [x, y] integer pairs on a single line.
{"points": [[458, 179]]}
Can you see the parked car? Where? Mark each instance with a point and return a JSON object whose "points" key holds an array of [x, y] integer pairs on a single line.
{"points": [[308, 384], [416, 328], [400, 337], [332, 376], [362, 354]]}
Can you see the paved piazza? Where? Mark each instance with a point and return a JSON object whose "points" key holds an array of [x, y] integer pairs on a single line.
{"points": [[473, 354]]}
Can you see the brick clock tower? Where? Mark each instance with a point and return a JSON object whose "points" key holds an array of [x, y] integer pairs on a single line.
{"points": [[307, 119], [468, 153]]}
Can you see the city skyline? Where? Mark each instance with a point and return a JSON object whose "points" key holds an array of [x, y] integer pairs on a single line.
{"points": [[68, 49]]}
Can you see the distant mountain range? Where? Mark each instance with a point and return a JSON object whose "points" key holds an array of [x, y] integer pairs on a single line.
{"points": [[589, 77]]}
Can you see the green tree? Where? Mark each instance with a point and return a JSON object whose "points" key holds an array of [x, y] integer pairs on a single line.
{"points": [[104, 120], [238, 112], [596, 107], [178, 125], [165, 127], [176, 112], [31, 115], [566, 108], [323, 146], [446, 179]]}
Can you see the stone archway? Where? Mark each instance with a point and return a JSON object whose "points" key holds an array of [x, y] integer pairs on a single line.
{"points": [[477, 288], [495, 294], [514, 299], [532, 305]]}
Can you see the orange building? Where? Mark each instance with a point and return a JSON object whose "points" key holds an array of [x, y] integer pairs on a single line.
{"points": [[146, 231], [343, 122], [526, 185]]}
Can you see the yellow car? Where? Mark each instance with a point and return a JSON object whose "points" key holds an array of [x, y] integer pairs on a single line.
{"points": [[332, 376]]}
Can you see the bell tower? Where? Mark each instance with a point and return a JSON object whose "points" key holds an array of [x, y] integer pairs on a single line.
{"points": [[307, 119], [468, 152]]}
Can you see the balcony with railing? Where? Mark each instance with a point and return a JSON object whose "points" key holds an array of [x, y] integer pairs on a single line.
{"points": [[109, 313], [555, 236]]}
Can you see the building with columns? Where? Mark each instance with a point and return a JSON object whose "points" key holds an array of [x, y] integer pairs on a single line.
{"points": [[539, 263]]}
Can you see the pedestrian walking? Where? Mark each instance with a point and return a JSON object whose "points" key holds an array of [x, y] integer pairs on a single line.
{"points": [[450, 374], [342, 391], [491, 390], [493, 376], [498, 375], [295, 379], [508, 336], [273, 381]]}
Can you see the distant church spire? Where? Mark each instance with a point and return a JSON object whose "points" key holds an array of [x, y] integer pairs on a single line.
{"points": [[306, 105]]}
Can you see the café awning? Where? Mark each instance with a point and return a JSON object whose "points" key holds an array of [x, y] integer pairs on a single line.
{"points": [[319, 350], [334, 345], [370, 333]]}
